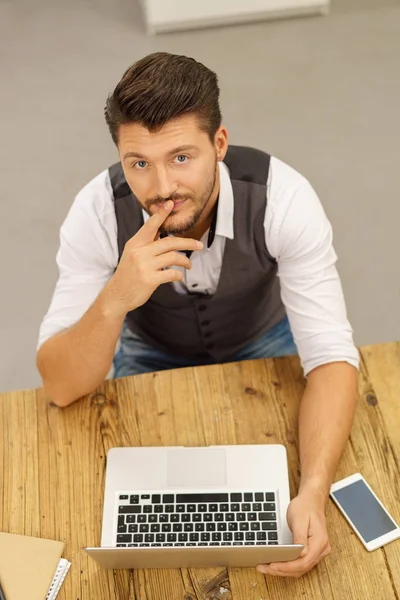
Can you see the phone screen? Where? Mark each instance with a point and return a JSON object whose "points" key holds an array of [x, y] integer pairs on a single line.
{"points": [[364, 511]]}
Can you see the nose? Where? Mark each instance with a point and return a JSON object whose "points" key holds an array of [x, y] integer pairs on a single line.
{"points": [[166, 186]]}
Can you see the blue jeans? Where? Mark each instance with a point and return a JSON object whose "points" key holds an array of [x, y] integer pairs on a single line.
{"points": [[135, 356]]}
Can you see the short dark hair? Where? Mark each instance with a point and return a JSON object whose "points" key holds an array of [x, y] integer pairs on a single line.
{"points": [[161, 87]]}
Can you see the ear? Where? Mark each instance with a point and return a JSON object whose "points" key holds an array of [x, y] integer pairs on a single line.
{"points": [[221, 143]]}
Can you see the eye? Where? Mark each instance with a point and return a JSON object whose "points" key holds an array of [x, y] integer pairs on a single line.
{"points": [[140, 164], [181, 159]]}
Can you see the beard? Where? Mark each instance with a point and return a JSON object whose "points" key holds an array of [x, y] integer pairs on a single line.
{"points": [[199, 201]]}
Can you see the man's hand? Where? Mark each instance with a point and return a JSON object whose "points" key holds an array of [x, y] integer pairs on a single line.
{"points": [[140, 270], [306, 519]]}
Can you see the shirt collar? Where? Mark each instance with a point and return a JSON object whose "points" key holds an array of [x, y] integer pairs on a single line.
{"points": [[224, 225]]}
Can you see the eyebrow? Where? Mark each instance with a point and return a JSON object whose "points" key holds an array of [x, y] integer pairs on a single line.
{"points": [[170, 153]]}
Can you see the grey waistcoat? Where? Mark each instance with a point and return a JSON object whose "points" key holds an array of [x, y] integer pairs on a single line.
{"points": [[247, 301]]}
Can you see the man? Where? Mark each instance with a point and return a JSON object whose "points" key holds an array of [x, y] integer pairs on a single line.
{"points": [[176, 252]]}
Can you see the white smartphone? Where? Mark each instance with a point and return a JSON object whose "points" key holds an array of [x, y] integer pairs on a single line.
{"points": [[364, 511]]}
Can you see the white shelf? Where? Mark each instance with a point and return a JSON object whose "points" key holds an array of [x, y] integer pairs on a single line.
{"points": [[175, 15]]}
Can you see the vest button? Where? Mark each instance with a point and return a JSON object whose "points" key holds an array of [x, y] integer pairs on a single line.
{"points": [[205, 323], [202, 307]]}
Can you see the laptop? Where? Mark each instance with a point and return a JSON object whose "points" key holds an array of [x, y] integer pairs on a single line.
{"points": [[168, 507]]}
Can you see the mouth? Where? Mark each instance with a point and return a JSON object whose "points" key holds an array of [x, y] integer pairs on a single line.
{"points": [[178, 203]]}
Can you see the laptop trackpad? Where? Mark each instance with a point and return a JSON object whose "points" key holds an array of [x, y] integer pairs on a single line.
{"points": [[196, 467]]}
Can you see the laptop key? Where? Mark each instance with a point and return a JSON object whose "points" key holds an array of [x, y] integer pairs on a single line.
{"points": [[144, 545], [129, 509], [218, 516], [202, 508], [246, 507], [163, 519], [226, 544], [269, 526], [229, 517], [177, 527], [240, 517], [224, 507], [267, 516], [169, 508], [255, 526], [121, 520], [205, 536], [121, 545], [235, 507], [156, 499], [141, 519], [248, 497], [124, 538], [180, 508], [168, 498], [199, 527], [252, 516], [259, 496], [213, 507], [138, 537], [238, 543], [196, 518], [171, 537], [249, 543], [269, 506], [216, 536], [130, 518], [244, 526], [256, 506], [201, 498], [174, 518], [183, 537], [202, 544], [210, 527], [239, 536], [155, 544], [250, 536], [190, 544], [207, 517], [160, 537], [144, 528], [214, 543], [233, 526], [134, 499], [166, 527], [155, 528], [158, 508], [273, 536], [132, 545], [188, 527], [149, 537], [269, 497], [236, 497], [122, 529], [261, 535], [191, 508], [147, 508], [222, 527], [185, 519], [179, 544], [152, 518], [272, 543], [145, 497], [261, 543], [124, 497], [194, 537], [133, 528]]}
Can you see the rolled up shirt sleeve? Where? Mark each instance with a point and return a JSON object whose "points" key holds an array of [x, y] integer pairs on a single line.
{"points": [[86, 258], [299, 237]]}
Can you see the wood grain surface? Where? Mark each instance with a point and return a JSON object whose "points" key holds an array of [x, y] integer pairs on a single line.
{"points": [[52, 469]]}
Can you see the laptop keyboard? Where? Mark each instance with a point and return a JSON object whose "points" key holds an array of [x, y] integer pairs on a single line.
{"points": [[200, 519]]}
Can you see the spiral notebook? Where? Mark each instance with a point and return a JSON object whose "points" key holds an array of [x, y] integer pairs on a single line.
{"points": [[31, 567]]}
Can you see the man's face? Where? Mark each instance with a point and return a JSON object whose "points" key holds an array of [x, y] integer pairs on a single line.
{"points": [[177, 163]]}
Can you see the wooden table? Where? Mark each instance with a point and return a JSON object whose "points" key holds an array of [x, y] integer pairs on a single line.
{"points": [[52, 464]]}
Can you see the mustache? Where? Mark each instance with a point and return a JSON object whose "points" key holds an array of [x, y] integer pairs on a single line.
{"points": [[160, 200]]}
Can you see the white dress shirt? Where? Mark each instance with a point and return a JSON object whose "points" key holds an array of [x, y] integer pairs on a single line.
{"points": [[297, 234]]}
